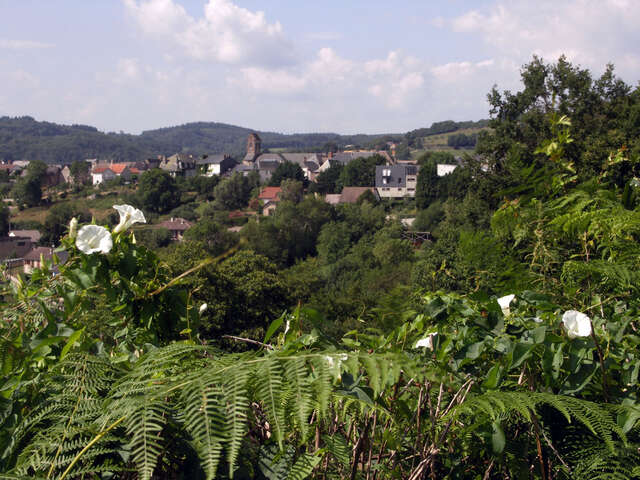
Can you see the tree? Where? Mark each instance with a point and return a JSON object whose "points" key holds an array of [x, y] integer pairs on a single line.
{"points": [[403, 152], [5, 216], [214, 237], [360, 172], [427, 185], [158, 191], [601, 112], [232, 193], [57, 220], [292, 190], [28, 189], [326, 181], [286, 170], [80, 171]]}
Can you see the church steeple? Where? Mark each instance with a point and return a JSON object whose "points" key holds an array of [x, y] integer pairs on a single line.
{"points": [[253, 149]]}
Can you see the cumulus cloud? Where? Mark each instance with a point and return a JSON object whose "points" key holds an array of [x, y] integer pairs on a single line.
{"points": [[391, 80], [588, 32], [9, 44], [225, 33]]}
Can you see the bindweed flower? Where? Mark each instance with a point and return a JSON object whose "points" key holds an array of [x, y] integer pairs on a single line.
{"points": [[94, 238], [426, 342], [202, 308], [577, 324], [73, 228], [128, 216], [505, 302]]}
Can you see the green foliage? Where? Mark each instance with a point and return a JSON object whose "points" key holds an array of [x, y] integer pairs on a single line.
{"points": [[327, 181], [286, 171], [56, 223], [5, 215], [360, 172], [157, 191], [233, 192]]}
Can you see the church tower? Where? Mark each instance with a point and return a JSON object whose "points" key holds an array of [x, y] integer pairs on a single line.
{"points": [[253, 149]]}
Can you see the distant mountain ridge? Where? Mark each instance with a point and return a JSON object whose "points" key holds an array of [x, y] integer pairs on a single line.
{"points": [[24, 138]]}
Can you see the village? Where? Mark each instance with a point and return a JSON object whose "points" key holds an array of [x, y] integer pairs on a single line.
{"points": [[22, 250]]}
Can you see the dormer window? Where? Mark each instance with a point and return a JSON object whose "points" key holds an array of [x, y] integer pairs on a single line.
{"points": [[386, 172]]}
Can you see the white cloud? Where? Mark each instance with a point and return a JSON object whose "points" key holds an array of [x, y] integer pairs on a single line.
{"points": [[127, 69], [588, 32], [225, 33], [23, 44]]}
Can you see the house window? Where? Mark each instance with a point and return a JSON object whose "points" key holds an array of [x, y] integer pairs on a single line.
{"points": [[399, 180], [384, 181], [386, 189], [21, 244], [411, 179], [386, 172], [411, 189], [399, 189]]}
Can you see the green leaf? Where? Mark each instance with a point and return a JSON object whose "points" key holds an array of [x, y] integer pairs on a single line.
{"points": [[498, 440], [273, 327], [72, 340], [493, 377]]}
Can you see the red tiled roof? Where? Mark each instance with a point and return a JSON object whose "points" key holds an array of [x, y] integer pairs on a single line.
{"points": [[100, 169], [118, 168], [270, 193]]}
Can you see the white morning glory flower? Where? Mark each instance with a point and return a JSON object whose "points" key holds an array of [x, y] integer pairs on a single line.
{"points": [[505, 302], [202, 308], [128, 216], [426, 342], [94, 238], [577, 324]]}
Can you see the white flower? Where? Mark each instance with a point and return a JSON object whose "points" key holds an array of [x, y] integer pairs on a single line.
{"points": [[73, 228], [93, 238], [426, 342], [576, 324], [202, 308], [504, 303], [537, 319], [128, 216]]}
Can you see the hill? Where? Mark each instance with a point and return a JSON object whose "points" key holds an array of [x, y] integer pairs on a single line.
{"points": [[24, 138]]}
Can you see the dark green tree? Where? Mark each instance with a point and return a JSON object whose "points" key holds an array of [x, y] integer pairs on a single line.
{"points": [[286, 170], [158, 191], [233, 193], [57, 220], [326, 181], [5, 216], [360, 172]]}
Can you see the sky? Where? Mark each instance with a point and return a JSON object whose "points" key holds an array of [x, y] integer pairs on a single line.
{"points": [[345, 66]]}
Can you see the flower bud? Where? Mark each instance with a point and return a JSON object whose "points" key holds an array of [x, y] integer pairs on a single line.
{"points": [[202, 308], [73, 228]]}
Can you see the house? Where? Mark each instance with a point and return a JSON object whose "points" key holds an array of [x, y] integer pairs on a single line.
{"points": [[219, 164], [396, 181], [176, 226], [14, 247], [101, 174], [270, 196], [33, 235], [36, 258], [349, 195], [179, 165]]}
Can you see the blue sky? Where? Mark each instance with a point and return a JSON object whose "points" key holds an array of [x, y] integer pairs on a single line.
{"points": [[292, 66]]}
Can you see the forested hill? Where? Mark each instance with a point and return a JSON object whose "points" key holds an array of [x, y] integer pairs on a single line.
{"points": [[24, 138]]}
